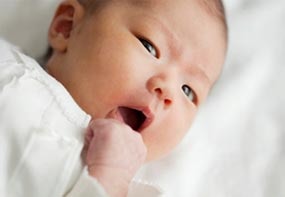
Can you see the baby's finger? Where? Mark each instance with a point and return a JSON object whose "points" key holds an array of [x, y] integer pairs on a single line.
{"points": [[88, 135]]}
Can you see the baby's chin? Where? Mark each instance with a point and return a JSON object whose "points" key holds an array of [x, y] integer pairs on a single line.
{"points": [[156, 152], [153, 156], [162, 146]]}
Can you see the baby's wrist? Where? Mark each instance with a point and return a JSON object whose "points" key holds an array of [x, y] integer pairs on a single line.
{"points": [[114, 180]]}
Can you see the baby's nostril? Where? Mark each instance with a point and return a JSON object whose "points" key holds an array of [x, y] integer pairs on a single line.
{"points": [[158, 91], [163, 96], [167, 101]]}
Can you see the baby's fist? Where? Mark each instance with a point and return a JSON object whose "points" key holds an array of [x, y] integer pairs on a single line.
{"points": [[113, 153]]}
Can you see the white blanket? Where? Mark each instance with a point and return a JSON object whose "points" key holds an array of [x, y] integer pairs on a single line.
{"points": [[236, 147]]}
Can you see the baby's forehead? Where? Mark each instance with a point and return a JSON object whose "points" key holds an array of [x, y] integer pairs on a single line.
{"points": [[214, 8]]}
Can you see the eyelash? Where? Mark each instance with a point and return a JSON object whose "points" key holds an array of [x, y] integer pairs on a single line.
{"points": [[149, 47]]}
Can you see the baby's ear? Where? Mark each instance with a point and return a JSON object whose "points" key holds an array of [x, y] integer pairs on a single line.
{"points": [[69, 13]]}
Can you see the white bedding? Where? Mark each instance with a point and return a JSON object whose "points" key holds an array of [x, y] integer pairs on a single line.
{"points": [[236, 147]]}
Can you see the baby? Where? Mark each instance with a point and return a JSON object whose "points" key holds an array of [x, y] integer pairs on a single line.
{"points": [[135, 71]]}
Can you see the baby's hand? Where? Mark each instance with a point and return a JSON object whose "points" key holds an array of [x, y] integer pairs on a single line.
{"points": [[114, 153]]}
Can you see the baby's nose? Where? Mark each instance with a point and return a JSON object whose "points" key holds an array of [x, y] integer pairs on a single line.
{"points": [[162, 89]]}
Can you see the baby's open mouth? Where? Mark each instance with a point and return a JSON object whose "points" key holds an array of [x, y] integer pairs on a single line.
{"points": [[134, 118]]}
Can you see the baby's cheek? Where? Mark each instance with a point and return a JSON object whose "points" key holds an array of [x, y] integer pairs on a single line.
{"points": [[166, 135]]}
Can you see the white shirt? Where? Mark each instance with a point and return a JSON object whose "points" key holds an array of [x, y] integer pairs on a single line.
{"points": [[42, 134]]}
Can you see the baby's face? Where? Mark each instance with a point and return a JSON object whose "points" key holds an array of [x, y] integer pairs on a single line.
{"points": [[149, 65]]}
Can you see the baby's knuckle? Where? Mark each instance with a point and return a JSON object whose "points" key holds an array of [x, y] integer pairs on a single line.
{"points": [[139, 139], [109, 133]]}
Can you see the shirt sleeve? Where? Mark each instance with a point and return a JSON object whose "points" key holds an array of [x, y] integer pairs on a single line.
{"points": [[87, 186], [139, 188]]}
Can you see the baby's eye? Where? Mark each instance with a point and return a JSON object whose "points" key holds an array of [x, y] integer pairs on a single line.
{"points": [[149, 47], [188, 92]]}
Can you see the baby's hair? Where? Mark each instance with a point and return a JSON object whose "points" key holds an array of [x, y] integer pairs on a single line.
{"points": [[214, 7], [92, 6]]}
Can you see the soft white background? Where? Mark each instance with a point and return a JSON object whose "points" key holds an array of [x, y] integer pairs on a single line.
{"points": [[236, 147]]}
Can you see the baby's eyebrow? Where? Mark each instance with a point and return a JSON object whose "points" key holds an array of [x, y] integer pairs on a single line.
{"points": [[176, 49], [171, 38], [198, 77], [201, 74]]}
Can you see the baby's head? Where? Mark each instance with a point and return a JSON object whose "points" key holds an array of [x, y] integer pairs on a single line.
{"points": [[147, 63]]}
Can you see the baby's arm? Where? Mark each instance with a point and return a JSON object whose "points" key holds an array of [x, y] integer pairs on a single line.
{"points": [[113, 153]]}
